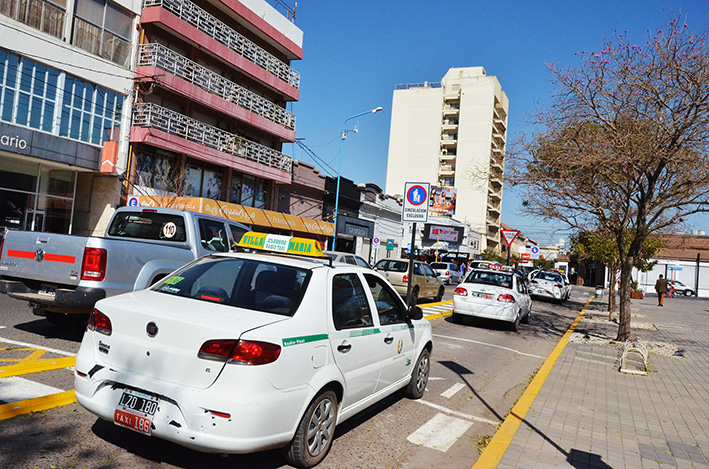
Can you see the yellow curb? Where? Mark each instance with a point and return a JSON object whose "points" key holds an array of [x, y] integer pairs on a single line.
{"points": [[499, 443], [34, 366], [14, 409]]}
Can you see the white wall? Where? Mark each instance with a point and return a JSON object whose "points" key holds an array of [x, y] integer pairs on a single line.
{"points": [[414, 138], [646, 280]]}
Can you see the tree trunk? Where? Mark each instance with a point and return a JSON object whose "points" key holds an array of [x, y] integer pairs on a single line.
{"points": [[611, 294], [626, 271]]}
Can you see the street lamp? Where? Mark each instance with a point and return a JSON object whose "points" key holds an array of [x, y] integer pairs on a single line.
{"points": [[339, 167]]}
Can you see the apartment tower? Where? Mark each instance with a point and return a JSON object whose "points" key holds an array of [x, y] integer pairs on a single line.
{"points": [[453, 134]]}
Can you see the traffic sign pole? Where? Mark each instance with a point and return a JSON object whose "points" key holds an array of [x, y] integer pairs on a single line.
{"points": [[411, 265]]}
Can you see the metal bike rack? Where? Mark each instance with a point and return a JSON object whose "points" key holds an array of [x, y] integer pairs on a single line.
{"points": [[634, 358]]}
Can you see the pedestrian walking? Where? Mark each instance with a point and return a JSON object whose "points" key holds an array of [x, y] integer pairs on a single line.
{"points": [[661, 289]]}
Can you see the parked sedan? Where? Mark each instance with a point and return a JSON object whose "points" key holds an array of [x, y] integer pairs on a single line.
{"points": [[495, 292], [548, 284], [425, 282], [242, 352], [678, 288], [347, 258], [448, 272]]}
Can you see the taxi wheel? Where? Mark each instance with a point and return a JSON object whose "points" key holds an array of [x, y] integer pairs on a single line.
{"points": [[525, 319], [515, 325], [419, 376], [315, 432], [441, 291]]}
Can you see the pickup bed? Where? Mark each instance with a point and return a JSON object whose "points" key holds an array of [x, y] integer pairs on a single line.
{"points": [[62, 276]]}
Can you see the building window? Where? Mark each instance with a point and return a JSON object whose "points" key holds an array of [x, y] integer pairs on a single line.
{"points": [[31, 95], [103, 28], [154, 175], [248, 190], [45, 16], [449, 181]]}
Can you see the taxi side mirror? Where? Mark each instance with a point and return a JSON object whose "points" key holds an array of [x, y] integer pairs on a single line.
{"points": [[414, 313]]}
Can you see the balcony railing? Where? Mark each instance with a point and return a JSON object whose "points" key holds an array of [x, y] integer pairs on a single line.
{"points": [[37, 14], [157, 117], [219, 31], [157, 55]]}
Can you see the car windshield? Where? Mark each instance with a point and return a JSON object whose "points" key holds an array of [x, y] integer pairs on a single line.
{"points": [[498, 279], [392, 266], [549, 276], [239, 282], [439, 265]]}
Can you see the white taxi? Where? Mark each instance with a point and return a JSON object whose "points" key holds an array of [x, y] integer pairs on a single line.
{"points": [[550, 285], [493, 292], [242, 352]]}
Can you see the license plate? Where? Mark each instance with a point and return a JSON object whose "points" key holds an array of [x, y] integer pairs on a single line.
{"points": [[47, 290], [135, 410], [481, 295]]}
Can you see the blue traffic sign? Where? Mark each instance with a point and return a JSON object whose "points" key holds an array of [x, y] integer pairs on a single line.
{"points": [[417, 195]]}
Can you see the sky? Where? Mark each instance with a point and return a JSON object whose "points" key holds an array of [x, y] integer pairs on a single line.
{"points": [[355, 53]]}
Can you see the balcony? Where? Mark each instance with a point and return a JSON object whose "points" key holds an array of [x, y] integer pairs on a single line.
{"points": [[219, 31], [446, 157], [451, 110], [157, 117], [157, 55], [448, 140], [446, 170], [37, 14]]}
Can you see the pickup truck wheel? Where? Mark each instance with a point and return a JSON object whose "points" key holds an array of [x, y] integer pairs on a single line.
{"points": [[61, 319]]}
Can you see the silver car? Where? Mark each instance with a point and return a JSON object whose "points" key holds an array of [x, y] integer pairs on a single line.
{"points": [[448, 272]]}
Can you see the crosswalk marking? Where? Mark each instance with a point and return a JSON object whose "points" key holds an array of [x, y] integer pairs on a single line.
{"points": [[440, 433]]}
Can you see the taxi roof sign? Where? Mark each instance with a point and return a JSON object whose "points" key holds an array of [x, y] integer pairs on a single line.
{"points": [[282, 244]]}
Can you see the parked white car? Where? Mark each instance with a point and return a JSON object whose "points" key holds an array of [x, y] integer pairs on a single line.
{"points": [[549, 285], [242, 352], [495, 292]]}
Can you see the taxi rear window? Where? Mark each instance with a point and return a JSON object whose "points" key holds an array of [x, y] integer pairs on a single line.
{"points": [[148, 225], [486, 277], [243, 283]]}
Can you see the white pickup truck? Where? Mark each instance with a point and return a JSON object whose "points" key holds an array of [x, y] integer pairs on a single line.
{"points": [[62, 276]]}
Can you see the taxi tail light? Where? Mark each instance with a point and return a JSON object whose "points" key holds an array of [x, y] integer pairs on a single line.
{"points": [[93, 266], [461, 291], [558, 286], [506, 298], [99, 322], [245, 352], [405, 279], [447, 272]]}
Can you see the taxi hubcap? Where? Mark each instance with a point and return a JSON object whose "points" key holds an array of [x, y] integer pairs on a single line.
{"points": [[422, 377], [320, 427]]}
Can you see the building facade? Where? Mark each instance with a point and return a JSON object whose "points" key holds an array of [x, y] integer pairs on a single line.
{"points": [[65, 81], [453, 134]]}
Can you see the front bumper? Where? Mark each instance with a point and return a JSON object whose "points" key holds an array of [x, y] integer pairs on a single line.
{"points": [[80, 297]]}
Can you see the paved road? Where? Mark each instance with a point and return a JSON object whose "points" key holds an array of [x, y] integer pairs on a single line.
{"points": [[479, 370]]}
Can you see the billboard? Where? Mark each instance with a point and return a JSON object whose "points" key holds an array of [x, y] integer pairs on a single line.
{"points": [[448, 234], [442, 200]]}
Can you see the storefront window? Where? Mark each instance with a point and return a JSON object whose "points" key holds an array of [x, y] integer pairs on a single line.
{"points": [[212, 187], [193, 182], [35, 197], [248, 190]]}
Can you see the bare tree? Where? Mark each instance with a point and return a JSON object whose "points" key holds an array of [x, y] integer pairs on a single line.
{"points": [[623, 145]]}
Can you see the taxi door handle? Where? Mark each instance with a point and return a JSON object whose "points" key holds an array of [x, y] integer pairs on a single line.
{"points": [[388, 340], [344, 348]]}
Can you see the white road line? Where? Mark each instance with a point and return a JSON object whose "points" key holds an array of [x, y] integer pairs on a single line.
{"points": [[452, 390], [18, 389], [456, 413], [24, 344], [489, 345], [440, 433], [436, 378]]}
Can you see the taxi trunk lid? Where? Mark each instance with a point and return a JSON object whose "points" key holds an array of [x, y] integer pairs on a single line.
{"points": [[179, 327]]}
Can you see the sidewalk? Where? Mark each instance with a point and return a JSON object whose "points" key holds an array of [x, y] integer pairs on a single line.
{"points": [[589, 415]]}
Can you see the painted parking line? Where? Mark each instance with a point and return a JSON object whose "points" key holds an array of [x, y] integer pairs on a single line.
{"points": [[21, 396], [488, 345], [450, 392], [433, 311], [445, 410], [14, 409], [499, 443]]}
